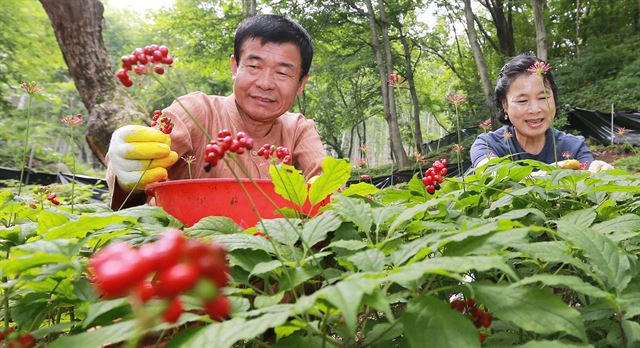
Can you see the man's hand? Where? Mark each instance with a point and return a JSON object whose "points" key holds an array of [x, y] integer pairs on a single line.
{"points": [[598, 166], [131, 150]]}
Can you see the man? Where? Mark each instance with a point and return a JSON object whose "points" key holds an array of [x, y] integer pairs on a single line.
{"points": [[270, 65]]}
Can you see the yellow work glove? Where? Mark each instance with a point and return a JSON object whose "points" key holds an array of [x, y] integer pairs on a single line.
{"points": [[598, 166], [131, 150]]}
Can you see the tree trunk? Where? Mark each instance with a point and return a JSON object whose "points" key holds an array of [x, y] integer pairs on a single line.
{"points": [[577, 28], [638, 17], [388, 102], [412, 89], [249, 8], [487, 87], [78, 28], [541, 33], [504, 25]]}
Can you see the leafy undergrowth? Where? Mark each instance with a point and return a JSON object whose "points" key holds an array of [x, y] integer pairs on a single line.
{"points": [[553, 260]]}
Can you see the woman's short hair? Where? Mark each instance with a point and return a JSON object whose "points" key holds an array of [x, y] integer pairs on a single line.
{"points": [[517, 66]]}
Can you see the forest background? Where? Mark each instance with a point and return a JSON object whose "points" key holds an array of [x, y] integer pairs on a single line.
{"points": [[380, 78]]}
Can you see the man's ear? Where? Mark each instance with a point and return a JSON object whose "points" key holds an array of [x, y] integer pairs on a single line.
{"points": [[303, 82], [234, 67]]}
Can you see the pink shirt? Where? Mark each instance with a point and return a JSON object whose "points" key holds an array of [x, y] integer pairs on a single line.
{"points": [[214, 113]]}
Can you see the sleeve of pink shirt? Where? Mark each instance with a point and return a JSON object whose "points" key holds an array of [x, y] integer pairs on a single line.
{"points": [[308, 150]]}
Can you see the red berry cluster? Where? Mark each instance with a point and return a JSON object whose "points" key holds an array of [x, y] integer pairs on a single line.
{"points": [[162, 122], [584, 165], [164, 269], [365, 177], [15, 339], [479, 317], [142, 61], [215, 149], [433, 176], [53, 199], [281, 152]]}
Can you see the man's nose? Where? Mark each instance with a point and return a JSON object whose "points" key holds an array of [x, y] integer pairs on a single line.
{"points": [[265, 79]]}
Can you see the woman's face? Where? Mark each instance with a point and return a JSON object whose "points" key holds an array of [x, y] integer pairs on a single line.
{"points": [[529, 110]]}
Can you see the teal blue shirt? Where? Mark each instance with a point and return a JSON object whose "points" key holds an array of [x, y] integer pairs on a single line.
{"points": [[494, 143]]}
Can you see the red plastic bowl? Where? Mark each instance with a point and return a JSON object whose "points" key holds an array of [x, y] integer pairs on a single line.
{"points": [[193, 199]]}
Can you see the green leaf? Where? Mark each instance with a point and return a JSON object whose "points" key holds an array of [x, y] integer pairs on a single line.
{"points": [[571, 282], [621, 228], [31, 310], [233, 242], [408, 214], [48, 219], [266, 267], [382, 215], [247, 259], [372, 260], [212, 225], [518, 305], [289, 183], [298, 276], [335, 173], [581, 218], [553, 344], [282, 231], [347, 297], [97, 338], [409, 249], [444, 265], [610, 262], [97, 309], [227, 333], [520, 213], [316, 229], [507, 199], [20, 264], [362, 189], [348, 244], [430, 322], [631, 331], [262, 301], [354, 210], [557, 252], [85, 224]]}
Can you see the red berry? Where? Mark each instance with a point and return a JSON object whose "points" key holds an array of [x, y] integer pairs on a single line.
{"points": [[122, 74], [431, 189], [223, 133], [443, 171], [234, 145], [241, 135], [52, 196], [177, 279], [145, 291], [219, 308], [483, 337], [143, 59], [471, 302], [27, 341], [458, 305], [248, 143], [167, 60], [55, 202], [365, 177], [164, 50], [165, 252], [127, 83], [287, 159], [226, 142], [444, 162], [427, 180], [173, 312], [157, 56], [116, 269], [437, 178], [431, 172], [486, 319], [159, 70]]}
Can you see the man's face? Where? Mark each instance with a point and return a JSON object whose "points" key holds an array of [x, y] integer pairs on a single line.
{"points": [[267, 78]]}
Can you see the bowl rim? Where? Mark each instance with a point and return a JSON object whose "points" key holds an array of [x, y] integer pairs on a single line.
{"points": [[150, 188]]}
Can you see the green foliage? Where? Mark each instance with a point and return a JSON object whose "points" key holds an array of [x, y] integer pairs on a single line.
{"points": [[376, 268]]}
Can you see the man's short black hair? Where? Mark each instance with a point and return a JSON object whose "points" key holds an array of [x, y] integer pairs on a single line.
{"points": [[517, 66], [276, 29]]}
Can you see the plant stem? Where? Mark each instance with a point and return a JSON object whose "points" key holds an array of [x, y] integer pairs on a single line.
{"points": [[136, 185], [7, 317], [193, 118], [73, 168], [26, 145]]}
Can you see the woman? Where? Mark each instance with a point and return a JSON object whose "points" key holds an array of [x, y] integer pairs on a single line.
{"points": [[527, 108]]}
